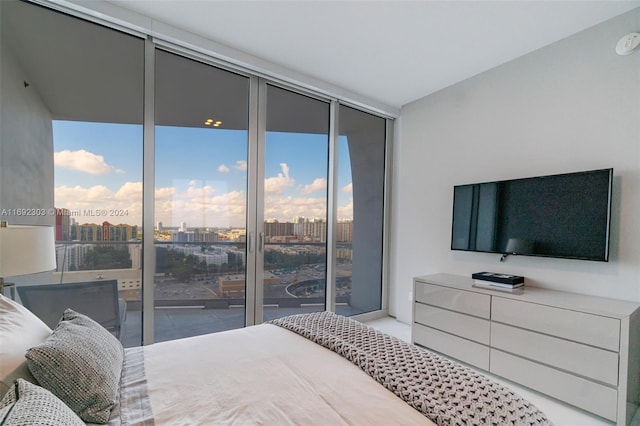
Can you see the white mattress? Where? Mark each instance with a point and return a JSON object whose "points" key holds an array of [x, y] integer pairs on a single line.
{"points": [[263, 375]]}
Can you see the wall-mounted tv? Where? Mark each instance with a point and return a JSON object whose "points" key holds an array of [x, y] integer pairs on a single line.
{"points": [[565, 216]]}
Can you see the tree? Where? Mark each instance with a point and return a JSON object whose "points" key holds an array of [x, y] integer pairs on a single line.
{"points": [[107, 257]]}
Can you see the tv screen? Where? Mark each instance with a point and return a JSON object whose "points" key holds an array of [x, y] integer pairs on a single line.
{"points": [[565, 216]]}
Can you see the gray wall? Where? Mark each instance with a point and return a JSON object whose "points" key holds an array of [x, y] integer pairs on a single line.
{"points": [[26, 146], [571, 106]]}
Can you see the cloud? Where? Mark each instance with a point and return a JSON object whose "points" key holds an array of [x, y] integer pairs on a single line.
{"points": [[83, 161], [98, 203], [277, 184], [286, 208], [240, 165], [200, 204], [99, 193], [130, 190], [345, 212], [199, 192], [164, 193], [347, 188], [202, 208], [320, 184], [197, 204]]}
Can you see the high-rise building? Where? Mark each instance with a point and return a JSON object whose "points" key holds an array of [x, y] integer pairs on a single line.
{"points": [[314, 230], [104, 232], [135, 253], [305, 229], [273, 228], [71, 256], [345, 231], [86, 232], [63, 225], [195, 236]]}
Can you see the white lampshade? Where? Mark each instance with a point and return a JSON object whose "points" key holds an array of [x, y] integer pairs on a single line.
{"points": [[26, 249]]}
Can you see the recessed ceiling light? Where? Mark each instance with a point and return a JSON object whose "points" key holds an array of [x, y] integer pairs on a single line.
{"points": [[210, 122]]}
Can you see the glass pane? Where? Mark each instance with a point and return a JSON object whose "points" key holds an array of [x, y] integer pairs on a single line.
{"points": [[201, 145], [361, 171], [72, 108], [295, 204]]}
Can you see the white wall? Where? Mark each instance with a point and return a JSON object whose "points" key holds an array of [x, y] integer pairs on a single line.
{"points": [[571, 106]]}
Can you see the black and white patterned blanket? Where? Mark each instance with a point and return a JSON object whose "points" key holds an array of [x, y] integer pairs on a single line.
{"points": [[445, 391]]}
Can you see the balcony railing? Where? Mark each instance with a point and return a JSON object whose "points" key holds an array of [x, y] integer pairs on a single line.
{"points": [[207, 277]]}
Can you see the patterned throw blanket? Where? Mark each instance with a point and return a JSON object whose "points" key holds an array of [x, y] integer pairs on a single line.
{"points": [[445, 391]]}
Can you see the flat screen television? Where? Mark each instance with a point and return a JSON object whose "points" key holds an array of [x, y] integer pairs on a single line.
{"points": [[565, 216]]}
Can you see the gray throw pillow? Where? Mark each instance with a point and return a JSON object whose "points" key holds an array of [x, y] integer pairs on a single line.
{"points": [[80, 363], [27, 404]]}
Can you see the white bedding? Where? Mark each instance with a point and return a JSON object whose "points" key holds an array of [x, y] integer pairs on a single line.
{"points": [[262, 375]]}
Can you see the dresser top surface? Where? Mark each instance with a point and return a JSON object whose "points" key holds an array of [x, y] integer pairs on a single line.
{"points": [[614, 308]]}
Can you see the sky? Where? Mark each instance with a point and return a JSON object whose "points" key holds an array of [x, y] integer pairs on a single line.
{"points": [[201, 175]]}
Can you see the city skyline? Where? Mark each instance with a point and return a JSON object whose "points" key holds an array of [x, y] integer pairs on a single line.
{"points": [[66, 221], [201, 174]]}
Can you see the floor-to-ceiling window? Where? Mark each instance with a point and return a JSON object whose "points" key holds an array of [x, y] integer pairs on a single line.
{"points": [[294, 191], [361, 211], [72, 112], [201, 153], [250, 222]]}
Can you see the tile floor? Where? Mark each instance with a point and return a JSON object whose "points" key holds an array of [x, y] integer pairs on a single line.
{"points": [[559, 413]]}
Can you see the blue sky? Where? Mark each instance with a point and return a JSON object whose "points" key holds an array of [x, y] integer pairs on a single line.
{"points": [[201, 175]]}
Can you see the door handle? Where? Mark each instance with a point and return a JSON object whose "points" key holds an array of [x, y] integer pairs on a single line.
{"points": [[261, 242]]}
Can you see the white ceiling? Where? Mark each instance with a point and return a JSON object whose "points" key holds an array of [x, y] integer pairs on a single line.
{"points": [[391, 51]]}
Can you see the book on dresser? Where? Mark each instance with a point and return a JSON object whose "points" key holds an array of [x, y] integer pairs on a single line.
{"points": [[498, 286]]}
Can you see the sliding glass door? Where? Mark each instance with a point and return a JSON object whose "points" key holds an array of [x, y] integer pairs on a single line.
{"points": [[201, 152], [294, 240]]}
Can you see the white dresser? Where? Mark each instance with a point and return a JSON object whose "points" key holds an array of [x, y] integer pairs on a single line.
{"points": [[583, 350]]}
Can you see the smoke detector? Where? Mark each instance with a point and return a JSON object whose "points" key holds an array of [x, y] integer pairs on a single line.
{"points": [[627, 44]]}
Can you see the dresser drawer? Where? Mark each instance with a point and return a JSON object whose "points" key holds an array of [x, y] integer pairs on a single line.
{"points": [[472, 328], [593, 397], [595, 330], [464, 350], [471, 303], [588, 361]]}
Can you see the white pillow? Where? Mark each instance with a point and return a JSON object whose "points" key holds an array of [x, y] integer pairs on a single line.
{"points": [[19, 330]]}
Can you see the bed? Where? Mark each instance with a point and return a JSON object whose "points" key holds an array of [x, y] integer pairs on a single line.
{"points": [[318, 368]]}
